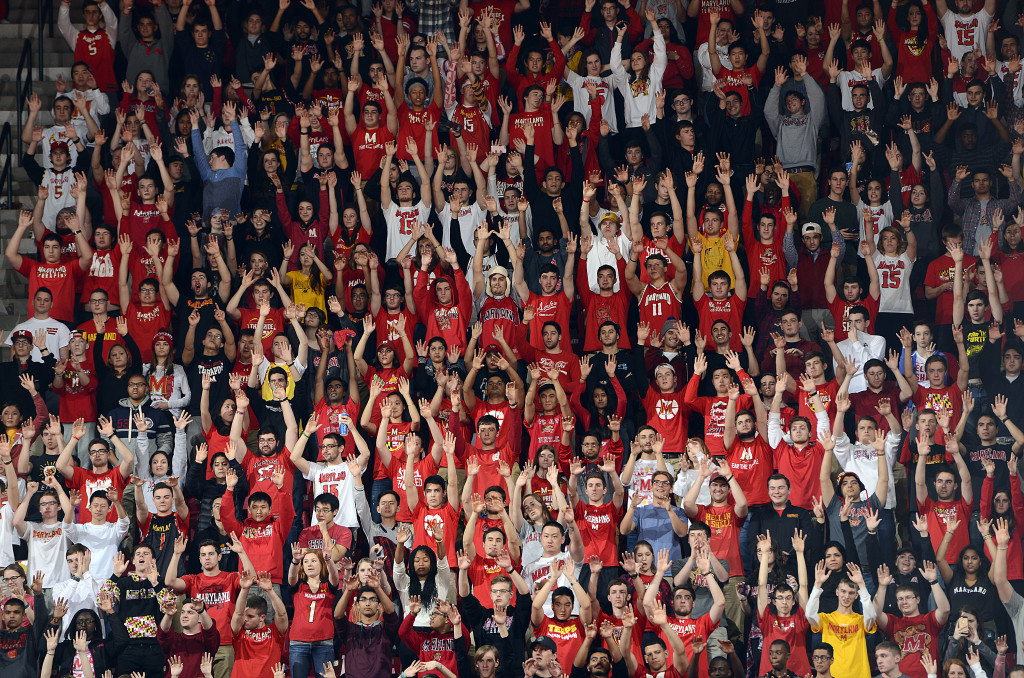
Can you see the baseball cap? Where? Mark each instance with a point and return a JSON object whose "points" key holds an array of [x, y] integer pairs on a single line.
{"points": [[21, 334], [545, 642], [810, 228], [611, 216]]}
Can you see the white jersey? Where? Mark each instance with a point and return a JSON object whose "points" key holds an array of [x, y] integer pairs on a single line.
{"points": [[470, 217], [400, 221], [335, 479], [881, 218], [894, 283], [59, 183], [964, 33], [581, 97], [539, 571], [57, 134]]}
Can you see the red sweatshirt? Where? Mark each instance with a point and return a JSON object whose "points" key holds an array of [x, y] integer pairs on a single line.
{"points": [[263, 541], [448, 321]]}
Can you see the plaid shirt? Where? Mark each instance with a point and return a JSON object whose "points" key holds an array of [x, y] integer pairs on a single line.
{"points": [[976, 221], [435, 15]]}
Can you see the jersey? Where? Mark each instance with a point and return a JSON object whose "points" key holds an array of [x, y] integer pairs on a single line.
{"points": [[657, 304], [399, 221], [964, 33], [95, 49], [335, 479]]}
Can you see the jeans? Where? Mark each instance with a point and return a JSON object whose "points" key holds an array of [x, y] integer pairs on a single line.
{"points": [[303, 655]]}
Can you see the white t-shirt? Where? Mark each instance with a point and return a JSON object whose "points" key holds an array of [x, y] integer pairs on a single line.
{"points": [[6, 535], [102, 541], [963, 34], [846, 81], [539, 571], [79, 595], [400, 221], [58, 335], [470, 217], [335, 479], [894, 283], [47, 552], [640, 484]]}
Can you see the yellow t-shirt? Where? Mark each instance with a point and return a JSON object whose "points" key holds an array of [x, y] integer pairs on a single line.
{"points": [[713, 257], [303, 292], [848, 638]]}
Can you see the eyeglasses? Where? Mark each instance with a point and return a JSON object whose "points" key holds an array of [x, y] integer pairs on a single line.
{"points": [[330, 446], [660, 482], [13, 579]]}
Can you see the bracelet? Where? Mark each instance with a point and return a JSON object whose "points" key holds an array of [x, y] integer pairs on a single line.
{"points": [[933, 582], [295, 562], [304, 434], [291, 363], [706, 574]]}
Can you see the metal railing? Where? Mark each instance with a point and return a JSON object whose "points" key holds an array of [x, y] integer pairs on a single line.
{"points": [[23, 85], [46, 18], [7, 175]]}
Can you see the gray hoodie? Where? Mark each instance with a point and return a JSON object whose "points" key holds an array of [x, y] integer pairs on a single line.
{"points": [[154, 57], [797, 135]]}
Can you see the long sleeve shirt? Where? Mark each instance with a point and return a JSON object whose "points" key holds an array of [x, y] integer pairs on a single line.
{"points": [[976, 218], [264, 541], [222, 188]]}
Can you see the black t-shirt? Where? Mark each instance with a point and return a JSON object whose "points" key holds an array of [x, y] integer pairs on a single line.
{"points": [[217, 366], [999, 453], [43, 466], [160, 536], [975, 338], [187, 303]]}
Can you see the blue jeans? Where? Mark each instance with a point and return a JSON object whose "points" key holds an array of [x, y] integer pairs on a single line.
{"points": [[303, 655]]}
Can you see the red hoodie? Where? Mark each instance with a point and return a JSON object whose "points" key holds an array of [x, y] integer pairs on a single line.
{"points": [[448, 321], [264, 541]]}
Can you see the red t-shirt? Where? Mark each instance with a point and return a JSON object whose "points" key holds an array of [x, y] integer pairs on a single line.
{"points": [[599, 527], [259, 471], [732, 81], [412, 124], [729, 309], [143, 324], [938, 512], [272, 324], [61, 279], [368, 147], [312, 538], [915, 636], [840, 310], [218, 594], [940, 271], [546, 429], [421, 470], [803, 468], [793, 630], [257, 651], [667, 413], [687, 629], [752, 463], [713, 410], [489, 460], [329, 417], [555, 307], [725, 533], [87, 482], [568, 635], [864, 404], [445, 516], [102, 274], [949, 398]]}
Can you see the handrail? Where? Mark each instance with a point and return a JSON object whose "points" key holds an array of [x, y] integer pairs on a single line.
{"points": [[7, 174], [23, 89], [46, 18]]}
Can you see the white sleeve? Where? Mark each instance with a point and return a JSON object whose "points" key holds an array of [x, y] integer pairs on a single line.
{"points": [[69, 32], [842, 450], [179, 461], [775, 435], [110, 19]]}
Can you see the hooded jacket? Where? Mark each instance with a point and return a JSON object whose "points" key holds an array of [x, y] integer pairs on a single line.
{"points": [[161, 430], [797, 135]]}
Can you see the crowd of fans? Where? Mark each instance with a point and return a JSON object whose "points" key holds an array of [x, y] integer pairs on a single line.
{"points": [[415, 339]]}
